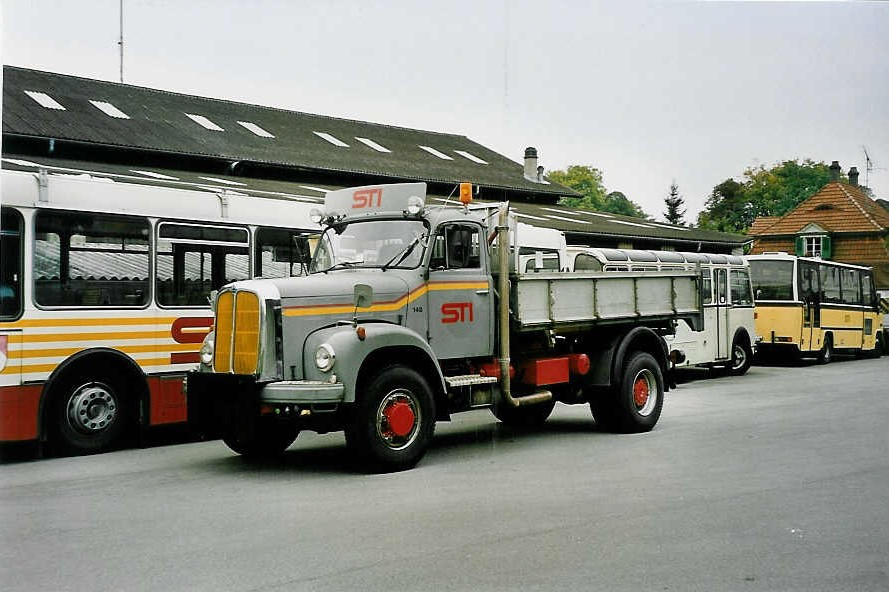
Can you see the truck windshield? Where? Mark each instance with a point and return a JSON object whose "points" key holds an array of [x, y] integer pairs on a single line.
{"points": [[772, 280], [371, 243]]}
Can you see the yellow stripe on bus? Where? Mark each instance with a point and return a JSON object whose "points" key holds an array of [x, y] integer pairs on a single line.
{"points": [[85, 322], [46, 368], [45, 337], [129, 349]]}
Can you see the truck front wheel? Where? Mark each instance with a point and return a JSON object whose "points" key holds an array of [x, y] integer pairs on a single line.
{"points": [[635, 404], [391, 425]]}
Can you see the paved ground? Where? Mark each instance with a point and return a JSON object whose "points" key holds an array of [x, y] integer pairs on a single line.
{"points": [[778, 480]]}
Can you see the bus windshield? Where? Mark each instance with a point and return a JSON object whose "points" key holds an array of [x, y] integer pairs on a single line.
{"points": [[772, 280], [372, 243]]}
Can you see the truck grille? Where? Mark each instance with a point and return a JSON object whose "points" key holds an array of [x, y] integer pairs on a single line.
{"points": [[237, 333]]}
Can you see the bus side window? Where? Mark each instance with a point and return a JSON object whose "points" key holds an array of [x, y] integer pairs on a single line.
{"points": [[851, 286], [90, 259], [830, 284], [281, 253], [584, 262], [11, 238], [740, 287], [707, 285], [721, 281]]}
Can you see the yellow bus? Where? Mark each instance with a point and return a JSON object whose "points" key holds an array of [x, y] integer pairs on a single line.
{"points": [[104, 285], [814, 308]]}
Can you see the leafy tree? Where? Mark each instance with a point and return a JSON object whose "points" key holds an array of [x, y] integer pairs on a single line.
{"points": [[774, 191], [618, 203], [587, 181], [726, 209], [675, 213]]}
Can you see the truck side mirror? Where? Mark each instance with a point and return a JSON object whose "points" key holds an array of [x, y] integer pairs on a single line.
{"points": [[363, 296]]}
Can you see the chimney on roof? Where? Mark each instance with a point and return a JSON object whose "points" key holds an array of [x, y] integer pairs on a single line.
{"points": [[835, 170], [853, 177], [531, 163], [540, 174]]}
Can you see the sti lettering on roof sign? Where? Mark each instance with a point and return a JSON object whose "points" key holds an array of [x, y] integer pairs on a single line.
{"points": [[396, 199]]}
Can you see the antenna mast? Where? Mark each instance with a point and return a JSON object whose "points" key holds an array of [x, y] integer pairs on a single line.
{"points": [[868, 167], [120, 41]]}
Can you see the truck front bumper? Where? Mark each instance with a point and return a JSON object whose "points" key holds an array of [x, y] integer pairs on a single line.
{"points": [[216, 401]]}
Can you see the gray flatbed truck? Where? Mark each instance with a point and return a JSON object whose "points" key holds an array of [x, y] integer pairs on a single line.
{"points": [[412, 312]]}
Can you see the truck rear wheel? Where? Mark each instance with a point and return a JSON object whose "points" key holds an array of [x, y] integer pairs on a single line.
{"points": [[268, 437], [635, 404], [391, 425]]}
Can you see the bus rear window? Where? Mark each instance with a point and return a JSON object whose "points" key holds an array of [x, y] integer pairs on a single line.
{"points": [[772, 280]]}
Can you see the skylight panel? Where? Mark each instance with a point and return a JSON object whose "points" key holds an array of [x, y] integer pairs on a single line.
{"points": [[44, 100], [588, 213], [470, 156], [154, 175], [567, 219], [223, 181], [204, 122], [24, 163], [372, 144], [109, 109], [318, 189], [532, 217], [255, 129], [333, 140], [435, 152], [630, 223]]}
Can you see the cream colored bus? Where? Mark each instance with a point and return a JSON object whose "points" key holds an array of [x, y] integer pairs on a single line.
{"points": [[814, 308], [104, 284]]}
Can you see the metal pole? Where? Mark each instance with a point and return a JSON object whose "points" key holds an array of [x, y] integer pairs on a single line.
{"points": [[120, 41]]}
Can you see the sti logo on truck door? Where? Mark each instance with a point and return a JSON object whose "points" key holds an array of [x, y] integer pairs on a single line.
{"points": [[456, 312], [367, 198]]}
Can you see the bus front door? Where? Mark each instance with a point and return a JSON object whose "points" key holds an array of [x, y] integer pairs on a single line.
{"points": [[723, 336]]}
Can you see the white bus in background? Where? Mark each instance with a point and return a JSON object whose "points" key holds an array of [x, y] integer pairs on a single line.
{"points": [[104, 285], [728, 338]]}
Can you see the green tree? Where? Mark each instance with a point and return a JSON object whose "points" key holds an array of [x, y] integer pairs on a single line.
{"points": [[587, 181], [675, 213], [774, 191]]}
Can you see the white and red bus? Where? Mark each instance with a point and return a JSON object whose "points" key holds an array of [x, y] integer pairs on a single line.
{"points": [[104, 285]]}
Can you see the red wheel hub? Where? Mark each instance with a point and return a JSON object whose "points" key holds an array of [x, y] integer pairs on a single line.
{"points": [[641, 392], [400, 417]]}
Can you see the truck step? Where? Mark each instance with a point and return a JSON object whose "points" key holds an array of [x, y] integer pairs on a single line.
{"points": [[469, 380]]}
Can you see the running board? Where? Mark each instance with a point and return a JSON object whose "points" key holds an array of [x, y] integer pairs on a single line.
{"points": [[468, 380]]}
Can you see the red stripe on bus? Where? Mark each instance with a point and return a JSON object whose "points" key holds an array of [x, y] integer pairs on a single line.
{"points": [[19, 409], [192, 357]]}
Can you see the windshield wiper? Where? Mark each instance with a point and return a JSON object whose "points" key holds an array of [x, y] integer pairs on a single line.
{"points": [[402, 255], [343, 264]]}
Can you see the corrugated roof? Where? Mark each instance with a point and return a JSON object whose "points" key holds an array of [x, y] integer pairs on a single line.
{"points": [[581, 223], [182, 124]]}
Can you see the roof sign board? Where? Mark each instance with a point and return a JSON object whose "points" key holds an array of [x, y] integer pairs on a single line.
{"points": [[203, 121], [375, 199], [44, 100], [255, 129], [109, 109], [333, 140], [437, 153]]}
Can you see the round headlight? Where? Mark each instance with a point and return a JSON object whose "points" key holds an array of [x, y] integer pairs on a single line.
{"points": [[207, 349], [414, 205], [324, 357], [315, 216]]}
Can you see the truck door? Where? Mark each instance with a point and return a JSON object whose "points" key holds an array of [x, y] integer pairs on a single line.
{"points": [[460, 295]]}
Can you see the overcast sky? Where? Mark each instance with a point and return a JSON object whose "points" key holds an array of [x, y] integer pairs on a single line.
{"points": [[648, 92]]}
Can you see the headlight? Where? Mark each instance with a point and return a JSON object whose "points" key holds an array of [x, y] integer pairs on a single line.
{"points": [[324, 357], [207, 349]]}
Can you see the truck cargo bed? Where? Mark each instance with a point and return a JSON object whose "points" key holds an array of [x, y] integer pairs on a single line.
{"points": [[566, 299]]}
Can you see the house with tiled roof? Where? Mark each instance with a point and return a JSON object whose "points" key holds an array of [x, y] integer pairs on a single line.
{"points": [[839, 222], [76, 125]]}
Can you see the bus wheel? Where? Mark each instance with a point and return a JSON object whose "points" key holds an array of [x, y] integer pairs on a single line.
{"points": [[267, 438], [636, 404], [741, 359], [825, 354], [89, 414], [525, 416], [391, 425]]}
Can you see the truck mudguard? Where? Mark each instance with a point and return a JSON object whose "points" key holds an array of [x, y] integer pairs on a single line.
{"points": [[347, 345]]}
